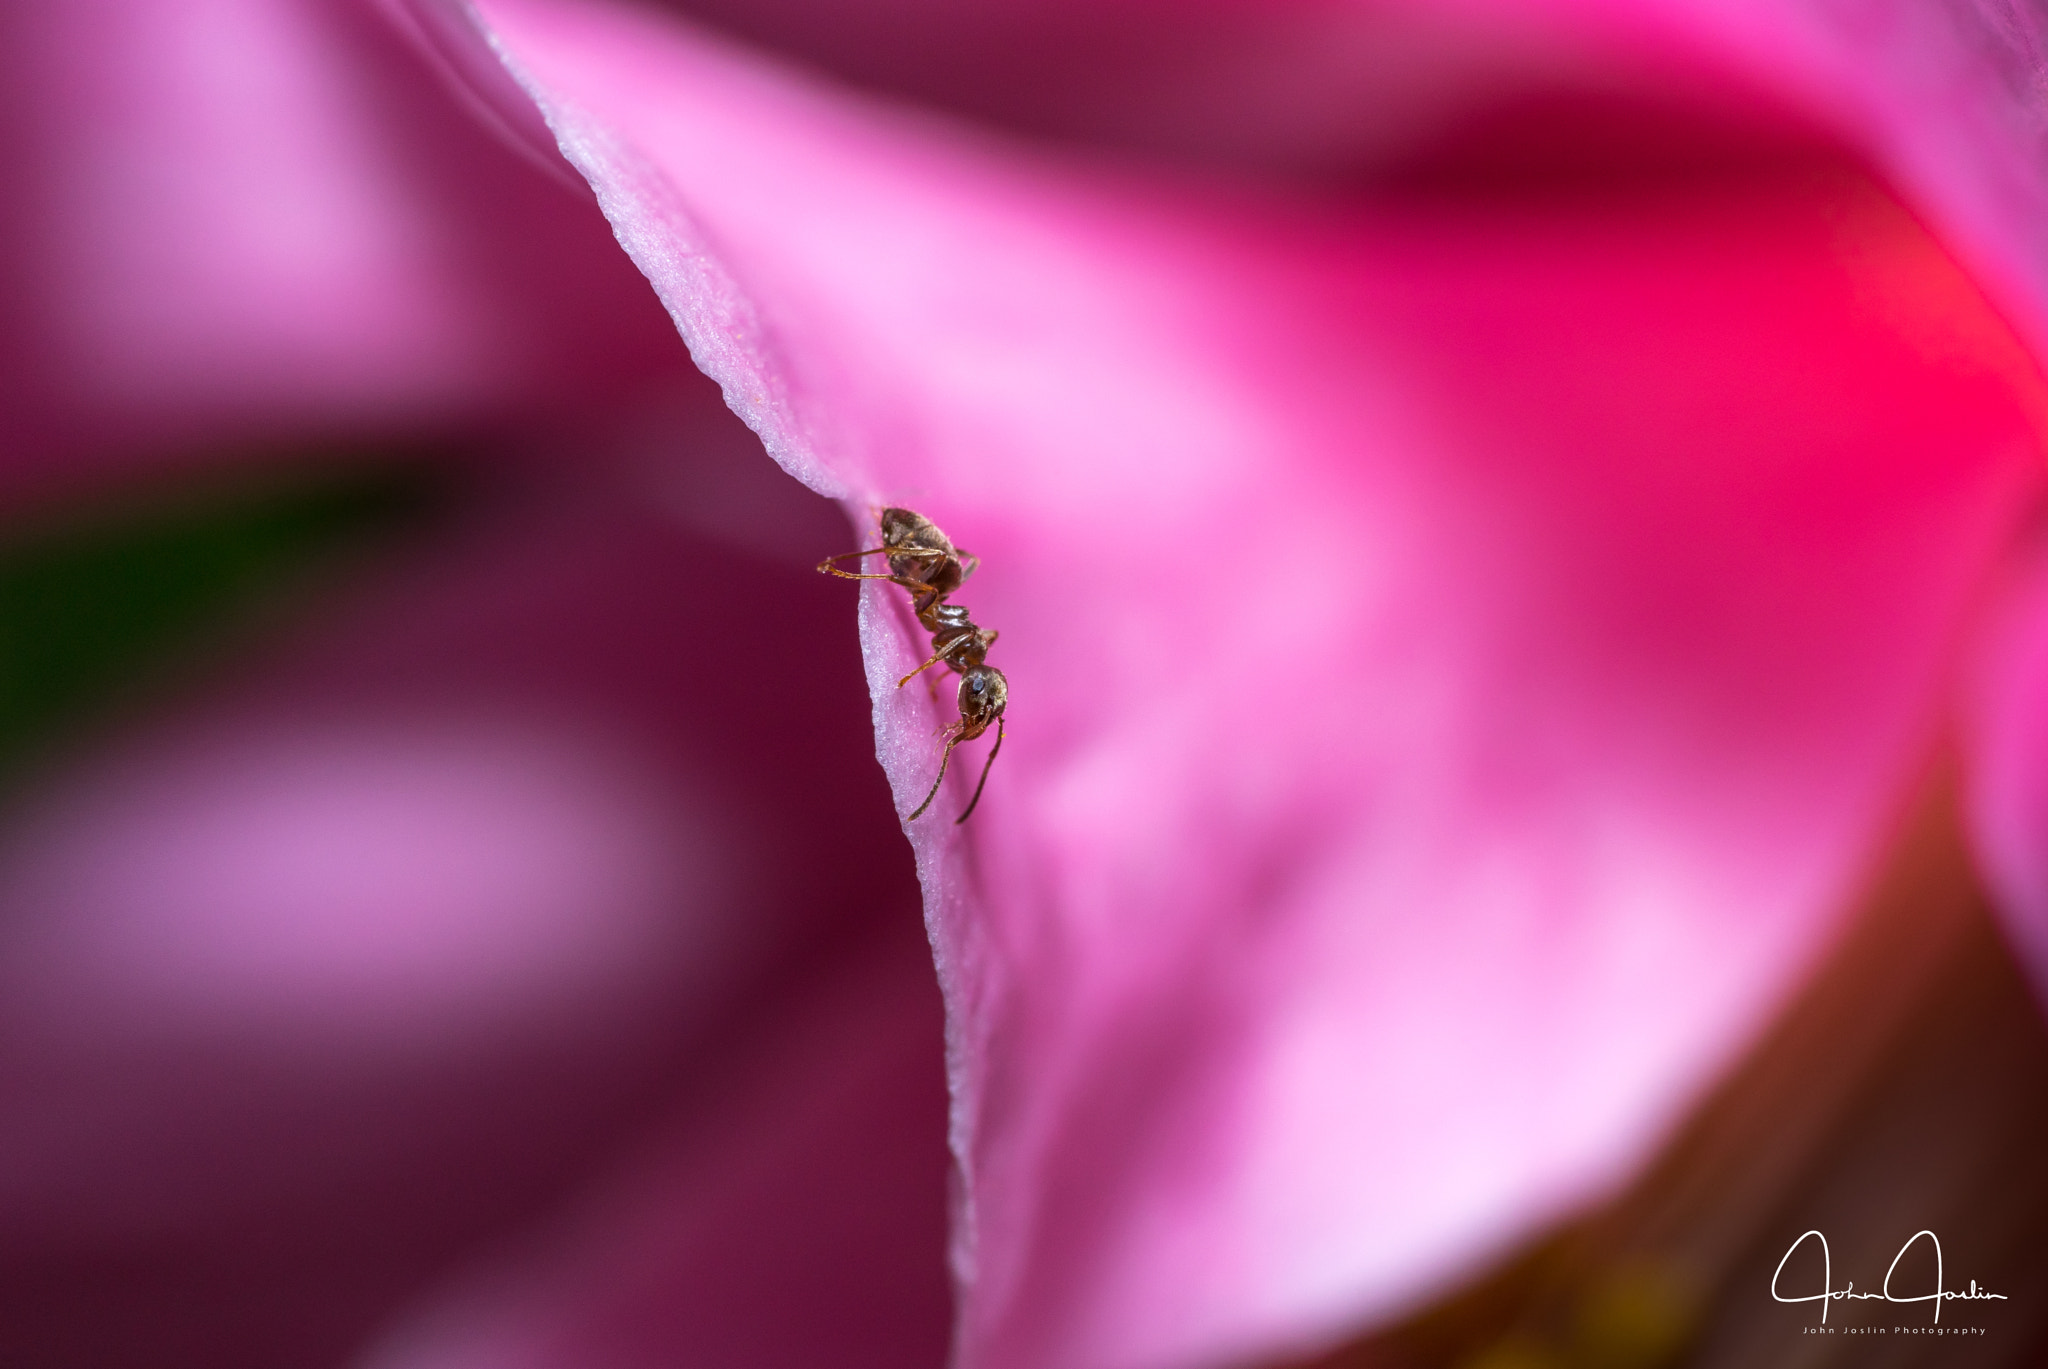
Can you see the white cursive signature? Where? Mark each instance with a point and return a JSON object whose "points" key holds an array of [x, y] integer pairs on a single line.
{"points": [[1828, 1293]]}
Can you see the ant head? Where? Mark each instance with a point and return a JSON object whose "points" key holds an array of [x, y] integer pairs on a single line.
{"points": [[984, 693]]}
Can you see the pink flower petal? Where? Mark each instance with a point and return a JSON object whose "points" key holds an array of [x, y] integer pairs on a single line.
{"points": [[1944, 97], [1461, 653]]}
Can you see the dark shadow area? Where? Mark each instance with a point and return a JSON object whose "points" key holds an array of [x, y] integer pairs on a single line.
{"points": [[208, 1174], [102, 604], [1330, 97]]}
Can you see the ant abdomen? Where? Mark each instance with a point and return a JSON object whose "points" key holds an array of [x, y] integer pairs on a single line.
{"points": [[918, 551]]}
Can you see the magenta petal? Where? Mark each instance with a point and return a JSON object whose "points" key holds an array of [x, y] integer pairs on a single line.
{"points": [[1461, 654]]}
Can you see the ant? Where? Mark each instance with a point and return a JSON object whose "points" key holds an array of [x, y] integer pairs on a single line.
{"points": [[924, 561]]}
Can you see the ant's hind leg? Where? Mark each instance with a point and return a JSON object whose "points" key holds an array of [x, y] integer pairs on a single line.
{"points": [[921, 670], [916, 587], [825, 567], [937, 657], [984, 775], [988, 639], [944, 757]]}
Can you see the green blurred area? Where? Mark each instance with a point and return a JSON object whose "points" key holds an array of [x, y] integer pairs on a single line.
{"points": [[100, 603]]}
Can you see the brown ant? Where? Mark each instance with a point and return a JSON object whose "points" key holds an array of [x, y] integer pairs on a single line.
{"points": [[924, 561]]}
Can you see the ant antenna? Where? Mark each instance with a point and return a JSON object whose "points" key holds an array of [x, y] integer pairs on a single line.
{"points": [[984, 773], [951, 742]]}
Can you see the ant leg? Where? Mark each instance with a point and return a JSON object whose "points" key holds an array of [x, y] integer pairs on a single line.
{"points": [[918, 812], [825, 567], [968, 563], [921, 670], [936, 658], [916, 587], [984, 774]]}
